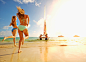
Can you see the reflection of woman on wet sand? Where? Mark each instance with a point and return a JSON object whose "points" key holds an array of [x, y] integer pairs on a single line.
{"points": [[22, 28], [14, 30]]}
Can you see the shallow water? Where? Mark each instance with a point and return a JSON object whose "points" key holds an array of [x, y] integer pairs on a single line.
{"points": [[51, 39]]}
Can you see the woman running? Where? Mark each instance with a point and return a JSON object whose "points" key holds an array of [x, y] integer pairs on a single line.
{"points": [[22, 28], [14, 30]]}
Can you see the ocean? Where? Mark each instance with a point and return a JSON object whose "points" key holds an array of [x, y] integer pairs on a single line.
{"points": [[51, 39], [17, 39]]}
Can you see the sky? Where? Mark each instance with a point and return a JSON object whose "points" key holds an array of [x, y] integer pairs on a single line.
{"points": [[63, 17]]}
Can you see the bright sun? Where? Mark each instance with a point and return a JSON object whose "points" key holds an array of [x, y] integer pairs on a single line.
{"points": [[67, 18]]}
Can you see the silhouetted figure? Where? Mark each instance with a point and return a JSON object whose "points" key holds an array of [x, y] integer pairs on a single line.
{"points": [[40, 36], [46, 37]]}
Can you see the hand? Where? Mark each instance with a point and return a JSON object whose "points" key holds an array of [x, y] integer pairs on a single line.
{"points": [[10, 24], [27, 24]]}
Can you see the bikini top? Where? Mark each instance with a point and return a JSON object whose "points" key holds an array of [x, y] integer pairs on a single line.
{"points": [[14, 24], [24, 20]]}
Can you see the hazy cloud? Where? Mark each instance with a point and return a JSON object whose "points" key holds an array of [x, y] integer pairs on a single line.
{"points": [[40, 22], [24, 1], [3, 1], [19, 1], [6, 27], [37, 4], [5, 33], [27, 1], [34, 31]]}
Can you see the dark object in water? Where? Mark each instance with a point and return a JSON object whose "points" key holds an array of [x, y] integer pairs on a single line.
{"points": [[40, 38], [46, 38], [63, 45], [60, 36], [76, 36]]}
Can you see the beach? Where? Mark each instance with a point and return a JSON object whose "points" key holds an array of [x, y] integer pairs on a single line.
{"points": [[52, 31], [43, 51]]}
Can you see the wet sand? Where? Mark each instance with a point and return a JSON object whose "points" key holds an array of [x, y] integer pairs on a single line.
{"points": [[43, 52]]}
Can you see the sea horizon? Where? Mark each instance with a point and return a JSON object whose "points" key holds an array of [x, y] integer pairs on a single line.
{"points": [[53, 39]]}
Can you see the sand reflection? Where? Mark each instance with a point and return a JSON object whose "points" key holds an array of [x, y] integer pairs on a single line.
{"points": [[45, 52], [11, 60]]}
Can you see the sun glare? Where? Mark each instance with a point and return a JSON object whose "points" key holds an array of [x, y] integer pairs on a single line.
{"points": [[67, 18]]}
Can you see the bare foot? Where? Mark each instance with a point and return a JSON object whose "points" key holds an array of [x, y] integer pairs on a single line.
{"points": [[4, 39], [15, 45], [23, 41], [19, 51]]}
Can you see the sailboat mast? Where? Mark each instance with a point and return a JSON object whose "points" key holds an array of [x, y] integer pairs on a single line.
{"points": [[44, 20]]}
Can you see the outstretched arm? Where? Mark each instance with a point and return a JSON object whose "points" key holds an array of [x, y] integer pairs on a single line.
{"points": [[10, 24]]}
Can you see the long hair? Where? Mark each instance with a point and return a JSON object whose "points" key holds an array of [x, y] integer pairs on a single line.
{"points": [[12, 22], [21, 15]]}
